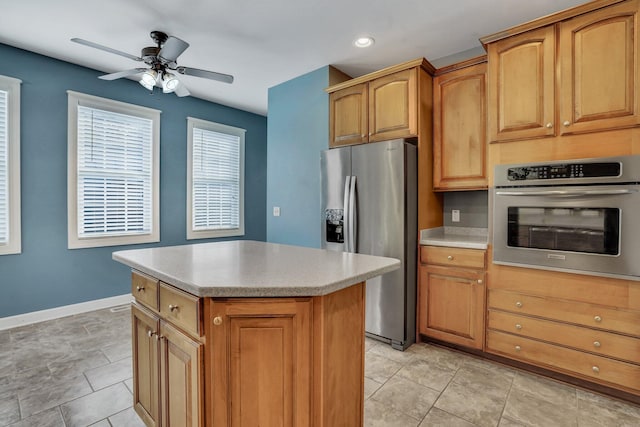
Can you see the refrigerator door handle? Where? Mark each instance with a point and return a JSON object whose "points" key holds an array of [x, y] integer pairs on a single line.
{"points": [[353, 217], [345, 214]]}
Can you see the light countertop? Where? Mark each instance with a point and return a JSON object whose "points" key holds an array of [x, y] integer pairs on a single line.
{"points": [[244, 268], [455, 237]]}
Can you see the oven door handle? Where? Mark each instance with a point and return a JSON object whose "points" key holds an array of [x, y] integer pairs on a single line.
{"points": [[567, 193]]}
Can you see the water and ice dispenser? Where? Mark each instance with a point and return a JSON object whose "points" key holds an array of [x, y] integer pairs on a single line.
{"points": [[334, 223]]}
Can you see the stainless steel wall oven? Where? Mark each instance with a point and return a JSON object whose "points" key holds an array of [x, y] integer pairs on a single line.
{"points": [[576, 215]]}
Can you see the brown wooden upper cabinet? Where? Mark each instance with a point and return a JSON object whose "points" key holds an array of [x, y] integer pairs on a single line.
{"points": [[521, 79], [592, 87], [459, 127], [376, 110], [599, 86]]}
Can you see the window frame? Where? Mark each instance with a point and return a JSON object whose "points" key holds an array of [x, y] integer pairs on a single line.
{"points": [[229, 130], [12, 85], [76, 99]]}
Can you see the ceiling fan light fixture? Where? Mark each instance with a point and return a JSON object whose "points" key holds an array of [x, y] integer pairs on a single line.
{"points": [[148, 79], [169, 83]]}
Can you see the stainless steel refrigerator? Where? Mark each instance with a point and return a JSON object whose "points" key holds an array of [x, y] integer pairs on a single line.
{"points": [[369, 206]]}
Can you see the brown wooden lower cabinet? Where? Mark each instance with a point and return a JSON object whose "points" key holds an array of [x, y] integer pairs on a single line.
{"points": [[167, 372], [585, 327], [248, 361], [613, 373], [452, 295]]}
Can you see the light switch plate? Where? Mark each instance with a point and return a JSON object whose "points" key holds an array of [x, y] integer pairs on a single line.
{"points": [[455, 215], [276, 211]]}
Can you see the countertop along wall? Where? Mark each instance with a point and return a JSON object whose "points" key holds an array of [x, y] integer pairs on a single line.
{"points": [[47, 274]]}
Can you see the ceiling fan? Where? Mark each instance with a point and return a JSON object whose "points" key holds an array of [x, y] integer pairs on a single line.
{"points": [[161, 59]]}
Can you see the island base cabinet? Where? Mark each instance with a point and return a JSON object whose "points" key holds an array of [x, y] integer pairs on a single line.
{"points": [[181, 385], [286, 362], [146, 367], [167, 373]]}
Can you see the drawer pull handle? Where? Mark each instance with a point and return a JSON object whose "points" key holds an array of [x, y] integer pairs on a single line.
{"points": [[519, 304], [598, 319], [596, 344], [595, 369], [518, 348], [518, 326], [217, 320], [172, 307], [140, 288], [450, 257]]}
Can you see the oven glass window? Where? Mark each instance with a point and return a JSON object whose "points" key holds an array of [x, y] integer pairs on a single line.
{"points": [[590, 230]]}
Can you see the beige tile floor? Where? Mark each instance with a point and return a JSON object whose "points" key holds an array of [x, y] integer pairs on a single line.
{"points": [[76, 371]]}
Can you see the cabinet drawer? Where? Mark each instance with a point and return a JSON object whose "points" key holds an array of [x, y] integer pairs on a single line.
{"points": [[145, 289], [592, 340], [594, 316], [589, 366], [455, 257], [180, 308]]}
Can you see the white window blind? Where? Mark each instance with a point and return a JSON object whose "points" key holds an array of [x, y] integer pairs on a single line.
{"points": [[216, 180], [4, 168], [114, 173], [10, 228]]}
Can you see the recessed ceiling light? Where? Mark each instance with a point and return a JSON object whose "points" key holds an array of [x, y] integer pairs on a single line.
{"points": [[364, 42]]}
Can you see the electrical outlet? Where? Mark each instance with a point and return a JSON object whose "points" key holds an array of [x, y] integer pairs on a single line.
{"points": [[455, 215], [276, 211]]}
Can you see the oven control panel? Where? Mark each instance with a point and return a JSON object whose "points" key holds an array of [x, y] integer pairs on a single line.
{"points": [[560, 171]]}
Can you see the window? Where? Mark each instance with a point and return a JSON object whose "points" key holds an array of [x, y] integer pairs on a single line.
{"points": [[10, 239], [113, 173], [215, 180]]}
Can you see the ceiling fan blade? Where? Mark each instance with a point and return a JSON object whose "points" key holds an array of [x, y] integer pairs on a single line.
{"points": [[105, 48], [171, 49], [187, 71], [181, 90], [120, 74]]}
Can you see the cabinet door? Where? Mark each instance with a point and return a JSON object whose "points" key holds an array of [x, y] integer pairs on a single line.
{"points": [[261, 362], [599, 70], [348, 116], [144, 339], [181, 379], [521, 79], [459, 146], [452, 309], [393, 106]]}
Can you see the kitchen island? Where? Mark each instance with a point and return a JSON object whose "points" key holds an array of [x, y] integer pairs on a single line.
{"points": [[249, 333]]}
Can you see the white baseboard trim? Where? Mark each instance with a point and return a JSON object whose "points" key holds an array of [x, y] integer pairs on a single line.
{"points": [[67, 310]]}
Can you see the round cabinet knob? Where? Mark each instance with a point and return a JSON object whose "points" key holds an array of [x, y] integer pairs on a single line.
{"points": [[140, 288], [150, 333], [217, 320], [450, 258], [566, 123], [172, 307], [595, 369], [479, 281], [549, 125], [518, 348], [519, 304], [518, 326], [597, 319], [596, 344]]}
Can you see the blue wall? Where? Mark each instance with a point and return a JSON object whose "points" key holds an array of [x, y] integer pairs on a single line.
{"points": [[298, 129], [47, 274]]}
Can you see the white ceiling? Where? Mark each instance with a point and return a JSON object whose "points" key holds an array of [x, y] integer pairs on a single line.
{"points": [[263, 42]]}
